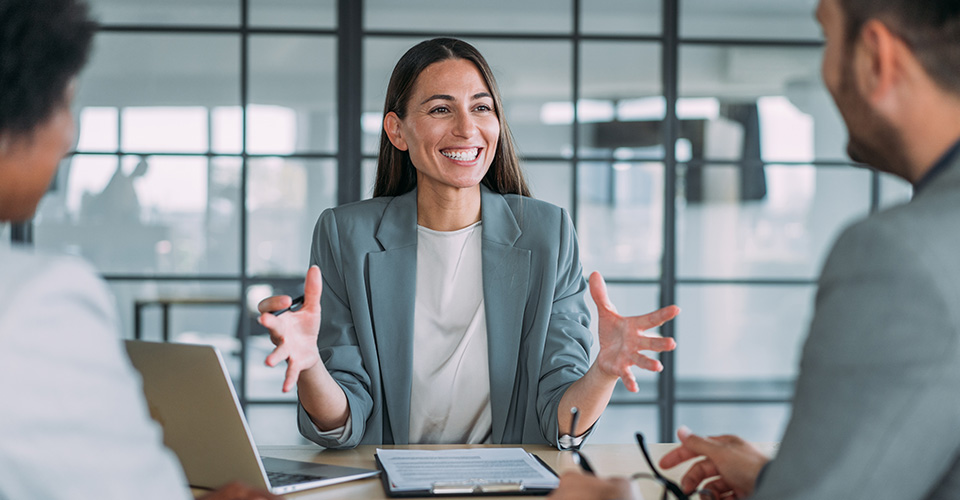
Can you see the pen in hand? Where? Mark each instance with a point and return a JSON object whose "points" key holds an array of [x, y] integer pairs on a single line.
{"points": [[297, 302], [578, 458]]}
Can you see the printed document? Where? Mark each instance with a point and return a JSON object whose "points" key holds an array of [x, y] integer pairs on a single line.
{"points": [[412, 470]]}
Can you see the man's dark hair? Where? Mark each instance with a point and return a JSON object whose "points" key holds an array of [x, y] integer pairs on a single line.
{"points": [[930, 27], [43, 45]]}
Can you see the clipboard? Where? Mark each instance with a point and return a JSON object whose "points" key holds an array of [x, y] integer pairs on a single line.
{"points": [[465, 488]]}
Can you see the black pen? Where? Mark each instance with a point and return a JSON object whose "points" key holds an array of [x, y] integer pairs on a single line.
{"points": [[577, 456], [297, 302]]}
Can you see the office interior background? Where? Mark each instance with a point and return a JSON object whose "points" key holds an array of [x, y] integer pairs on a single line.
{"points": [[692, 142]]}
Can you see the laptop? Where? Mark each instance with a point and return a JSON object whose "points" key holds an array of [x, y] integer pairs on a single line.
{"points": [[190, 394]]}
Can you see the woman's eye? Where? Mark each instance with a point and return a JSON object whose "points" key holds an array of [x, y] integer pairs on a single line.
{"points": [[439, 111], [483, 107]]}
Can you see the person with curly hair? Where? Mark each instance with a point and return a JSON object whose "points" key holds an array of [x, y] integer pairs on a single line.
{"points": [[73, 420]]}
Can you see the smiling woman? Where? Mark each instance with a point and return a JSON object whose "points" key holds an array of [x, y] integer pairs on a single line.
{"points": [[452, 302]]}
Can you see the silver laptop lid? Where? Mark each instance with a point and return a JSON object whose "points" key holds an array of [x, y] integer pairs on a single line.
{"points": [[190, 394]]}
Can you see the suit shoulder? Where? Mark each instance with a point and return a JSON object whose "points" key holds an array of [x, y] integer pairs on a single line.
{"points": [[355, 216], [360, 209], [531, 211]]}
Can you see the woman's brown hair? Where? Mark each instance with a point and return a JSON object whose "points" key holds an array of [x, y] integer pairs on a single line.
{"points": [[395, 173]]}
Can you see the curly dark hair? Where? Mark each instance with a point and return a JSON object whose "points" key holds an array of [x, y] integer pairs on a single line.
{"points": [[43, 45]]}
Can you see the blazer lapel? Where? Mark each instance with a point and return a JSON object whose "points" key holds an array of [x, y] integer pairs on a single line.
{"points": [[506, 275], [393, 285]]}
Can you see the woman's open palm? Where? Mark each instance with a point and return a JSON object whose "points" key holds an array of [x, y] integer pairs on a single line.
{"points": [[622, 339]]}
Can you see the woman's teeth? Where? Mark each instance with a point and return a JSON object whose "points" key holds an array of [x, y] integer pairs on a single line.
{"points": [[462, 154]]}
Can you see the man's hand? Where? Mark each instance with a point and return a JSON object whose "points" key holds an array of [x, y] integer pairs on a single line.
{"points": [[576, 486], [732, 462], [239, 491], [622, 339], [294, 332]]}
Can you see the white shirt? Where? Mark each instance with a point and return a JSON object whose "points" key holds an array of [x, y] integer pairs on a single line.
{"points": [[450, 394], [73, 420]]}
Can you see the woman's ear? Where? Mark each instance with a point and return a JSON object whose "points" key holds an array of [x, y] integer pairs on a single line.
{"points": [[391, 125]]}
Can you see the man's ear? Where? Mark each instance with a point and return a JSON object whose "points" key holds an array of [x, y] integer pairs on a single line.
{"points": [[391, 125], [878, 61]]}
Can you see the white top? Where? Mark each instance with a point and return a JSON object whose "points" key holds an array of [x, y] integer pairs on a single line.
{"points": [[450, 394], [73, 420]]}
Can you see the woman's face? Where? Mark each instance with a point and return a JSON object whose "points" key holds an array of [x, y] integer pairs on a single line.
{"points": [[451, 128]]}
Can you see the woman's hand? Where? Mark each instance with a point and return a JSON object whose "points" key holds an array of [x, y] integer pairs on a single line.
{"points": [[294, 332], [622, 339]]}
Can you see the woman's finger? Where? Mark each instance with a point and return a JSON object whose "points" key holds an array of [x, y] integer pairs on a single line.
{"points": [[292, 375], [278, 355], [655, 344], [646, 363], [654, 319]]}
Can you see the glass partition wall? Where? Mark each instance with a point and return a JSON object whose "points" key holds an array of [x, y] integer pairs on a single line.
{"points": [[692, 142]]}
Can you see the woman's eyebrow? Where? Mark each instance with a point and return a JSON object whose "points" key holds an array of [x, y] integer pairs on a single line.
{"points": [[442, 97], [448, 97]]}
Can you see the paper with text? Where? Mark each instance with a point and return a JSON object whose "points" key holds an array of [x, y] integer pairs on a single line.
{"points": [[413, 470]]}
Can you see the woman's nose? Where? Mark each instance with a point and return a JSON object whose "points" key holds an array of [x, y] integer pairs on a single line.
{"points": [[464, 126]]}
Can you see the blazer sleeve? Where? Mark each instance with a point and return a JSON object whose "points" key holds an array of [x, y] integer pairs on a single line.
{"points": [[876, 408], [337, 341], [566, 355]]}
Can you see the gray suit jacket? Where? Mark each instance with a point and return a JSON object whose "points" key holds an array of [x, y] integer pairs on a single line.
{"points": [[537, 322], [877, 406]]}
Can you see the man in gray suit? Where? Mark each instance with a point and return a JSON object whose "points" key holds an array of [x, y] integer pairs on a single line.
{"points": [[877, 407]]}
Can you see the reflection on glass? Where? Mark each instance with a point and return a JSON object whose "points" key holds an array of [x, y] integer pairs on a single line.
{"points": [[743, 340], [626, 17], [292, 94], [465, 16], [772, 105], [620, 218], [771, 222], [773, 19], [156, 71], [530, 73], [551, 182], [164, 129], [219, 13], [313, 14], [620, 422], [208, 323], [197, 312], [98, 130], [285, 198], [631, 300], [151, 215], [758, 423], [621, 108]]}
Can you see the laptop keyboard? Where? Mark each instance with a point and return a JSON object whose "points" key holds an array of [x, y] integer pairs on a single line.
{"points": [[285, 479]]}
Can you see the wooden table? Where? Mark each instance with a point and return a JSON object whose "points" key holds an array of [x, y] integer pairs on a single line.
{"points": [[607, 459]]}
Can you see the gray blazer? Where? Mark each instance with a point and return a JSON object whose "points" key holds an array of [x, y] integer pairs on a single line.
{"points": [[877, 406], [537, 322]]}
